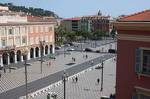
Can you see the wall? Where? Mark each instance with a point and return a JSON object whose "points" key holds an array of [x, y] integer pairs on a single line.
{"points": [[126, 78]]}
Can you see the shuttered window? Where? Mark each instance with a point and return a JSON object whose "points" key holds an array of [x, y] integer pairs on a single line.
{"points": [[138, 60]]}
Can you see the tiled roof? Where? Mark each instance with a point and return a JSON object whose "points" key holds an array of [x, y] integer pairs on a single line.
{"points": [[72, 19], [140, 16]]}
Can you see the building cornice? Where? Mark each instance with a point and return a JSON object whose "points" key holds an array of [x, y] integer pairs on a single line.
{"points": [[26, 23], [133, 37], [141, 26]]}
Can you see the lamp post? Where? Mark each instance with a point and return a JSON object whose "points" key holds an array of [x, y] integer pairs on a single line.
{"points": [[24, 54], [102, 64], [41, 45], [64, 78]]}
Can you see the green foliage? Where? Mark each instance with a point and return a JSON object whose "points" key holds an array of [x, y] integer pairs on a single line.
{"points": [[70, 36], [113, 32], [59, 34], [98, 34], [31, 10]]}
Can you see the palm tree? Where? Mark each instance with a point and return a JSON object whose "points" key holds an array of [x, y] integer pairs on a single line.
{"points": [[59, 34]]}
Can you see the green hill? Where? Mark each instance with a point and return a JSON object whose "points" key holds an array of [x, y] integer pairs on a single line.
{"points": [[30, 10]]}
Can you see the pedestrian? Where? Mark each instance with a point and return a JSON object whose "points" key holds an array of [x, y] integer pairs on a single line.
{"points": [[76, 79], [98, 80], [0, 75], [72, 59], [86, 56], [4, 70], [49, 63], [92, 62], [72, 79]]}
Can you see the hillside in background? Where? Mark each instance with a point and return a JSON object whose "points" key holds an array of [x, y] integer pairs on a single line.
{"points": [[30, 10]]}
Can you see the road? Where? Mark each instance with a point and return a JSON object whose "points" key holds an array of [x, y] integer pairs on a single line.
{"points": [[43, 82]]}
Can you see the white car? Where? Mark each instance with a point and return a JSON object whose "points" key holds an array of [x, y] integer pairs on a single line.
{"points": [[70, 49]]}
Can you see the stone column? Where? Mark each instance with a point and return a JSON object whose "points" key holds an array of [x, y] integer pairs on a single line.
{"points": [[28, 57], [15, 57], [39, 52], [34, 52], [1, 61], [53, 49], [48, 50], [8, 59], [21, 58], [43, 51]]}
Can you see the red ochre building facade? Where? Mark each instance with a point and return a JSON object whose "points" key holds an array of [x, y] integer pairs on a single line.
{"points": [[133, 56], [17, 36]]}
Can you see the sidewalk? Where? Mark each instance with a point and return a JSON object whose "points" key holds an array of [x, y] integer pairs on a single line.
{"points": [[87, 86], [16, 78]]}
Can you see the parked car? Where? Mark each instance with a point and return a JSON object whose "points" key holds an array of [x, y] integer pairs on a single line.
{"points": [[88, 49], [98, 51], [71, 44], [70, 49], [105, 97], [57, 47], [67, 45], [112, 51]]}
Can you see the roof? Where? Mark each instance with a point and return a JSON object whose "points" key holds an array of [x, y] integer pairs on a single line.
{"points": [[143, 16], [72, 19]]}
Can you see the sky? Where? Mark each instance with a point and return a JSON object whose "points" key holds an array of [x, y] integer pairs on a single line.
{"points": [[75, 8]]}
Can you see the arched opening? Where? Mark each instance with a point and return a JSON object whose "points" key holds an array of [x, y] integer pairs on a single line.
{"points": [[36, 52], [46, 49], [51, 49], [31, 53], [12, 57], [5, 58], [18, 55]]}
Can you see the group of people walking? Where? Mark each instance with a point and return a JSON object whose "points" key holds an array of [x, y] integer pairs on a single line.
{"points": [[75, 79]]}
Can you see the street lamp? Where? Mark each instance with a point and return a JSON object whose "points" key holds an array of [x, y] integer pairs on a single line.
{"points": [[24, 52], [64, 78], [102, 64], [41, 45]]}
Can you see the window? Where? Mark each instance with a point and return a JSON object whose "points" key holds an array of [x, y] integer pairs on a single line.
{"points": [[10, 31], [17, 31], [36, 29], [41, 28], [50, 29], [23, 40], [37, 40], [142, 64], [51, 38], [31, 40], [31, 29], [3, 42], [46, 28], [17, 41], [10, 42], [46, 38], [2, 32]]}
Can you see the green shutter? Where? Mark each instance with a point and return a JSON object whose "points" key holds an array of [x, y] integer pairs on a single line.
{"points": [[138, 60]]}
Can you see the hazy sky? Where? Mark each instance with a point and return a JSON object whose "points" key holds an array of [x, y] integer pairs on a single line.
{"points": [[72, 8]]}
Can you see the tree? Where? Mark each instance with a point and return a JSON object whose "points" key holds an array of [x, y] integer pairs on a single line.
{"points": [[113, 32], [98, 34], [59, 34], [70, 36]]}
